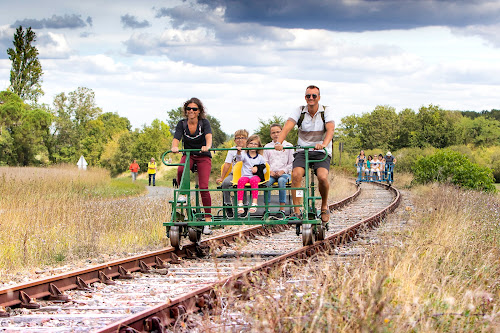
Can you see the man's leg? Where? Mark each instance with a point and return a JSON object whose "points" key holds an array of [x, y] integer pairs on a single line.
{"points": [[297, 174], [324, 186], [267, 194], [282, 181]]}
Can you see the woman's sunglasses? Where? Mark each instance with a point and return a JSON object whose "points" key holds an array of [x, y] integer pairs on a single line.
{"points": [[189, 109]]}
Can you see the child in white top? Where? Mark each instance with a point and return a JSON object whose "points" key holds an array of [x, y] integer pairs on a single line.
{"points": [[251, 159]]}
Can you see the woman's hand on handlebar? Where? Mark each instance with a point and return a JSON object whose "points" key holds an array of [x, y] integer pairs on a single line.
{"points": [[204, 149], [175, 149]]}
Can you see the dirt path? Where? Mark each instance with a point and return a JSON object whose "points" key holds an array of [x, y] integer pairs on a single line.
{"points": [[159, 191]]}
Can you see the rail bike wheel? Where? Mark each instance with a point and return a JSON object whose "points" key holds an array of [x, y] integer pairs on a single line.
{"points": [[194, 234], [307, 235], [321, 232], [175, 237]]}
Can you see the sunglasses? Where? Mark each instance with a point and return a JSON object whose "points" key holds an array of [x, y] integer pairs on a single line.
{"points": [[314, 96], [189, 109]]}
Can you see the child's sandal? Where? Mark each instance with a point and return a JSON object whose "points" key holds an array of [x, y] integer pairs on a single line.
{"points": [[241, 210], [253, 209]]}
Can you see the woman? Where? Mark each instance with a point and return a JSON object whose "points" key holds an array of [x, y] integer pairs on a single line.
{"points": [[360, 161], [196, 133]]}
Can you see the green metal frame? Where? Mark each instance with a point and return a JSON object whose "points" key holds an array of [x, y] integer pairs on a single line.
{"points": [[187, 215]]}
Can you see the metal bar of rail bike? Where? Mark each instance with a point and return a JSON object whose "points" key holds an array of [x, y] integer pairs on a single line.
{"points": [[185, 189]]}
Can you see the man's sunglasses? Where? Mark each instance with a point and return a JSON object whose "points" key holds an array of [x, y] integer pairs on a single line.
{"points": [[314, 96], [189, 109]]}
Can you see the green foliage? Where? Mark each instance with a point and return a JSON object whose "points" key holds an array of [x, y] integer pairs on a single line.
{"points": [[24, 132], [447, 166], [264, 130], [26, 72]]}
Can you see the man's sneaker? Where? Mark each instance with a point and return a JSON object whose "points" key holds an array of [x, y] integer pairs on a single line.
{"points": [[181, 199], [206, 230]]}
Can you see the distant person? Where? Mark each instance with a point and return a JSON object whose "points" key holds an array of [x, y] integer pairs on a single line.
{"points": [[360, 162], [280, 163], [369, 165], [195, 132], [253, 165], [152, 171], [316, 126], [389, 164], [134, 170], [240, 139]]}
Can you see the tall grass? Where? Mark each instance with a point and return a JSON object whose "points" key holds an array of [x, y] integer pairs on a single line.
{"points": [[50, 215], [439, 275]]}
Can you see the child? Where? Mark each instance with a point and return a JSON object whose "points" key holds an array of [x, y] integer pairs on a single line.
{"points": [[381, 166], [368, 169], [253, 163]]}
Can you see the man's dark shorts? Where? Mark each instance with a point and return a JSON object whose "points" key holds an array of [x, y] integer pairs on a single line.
{"points": [[299, 160]]}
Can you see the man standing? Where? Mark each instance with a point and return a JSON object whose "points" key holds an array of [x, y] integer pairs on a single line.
{"points": [[134, 169], [280, 163], [152, 171], [316, 126]]}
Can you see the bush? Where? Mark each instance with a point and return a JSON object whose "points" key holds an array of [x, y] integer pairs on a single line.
{"points": [[447, 166]]}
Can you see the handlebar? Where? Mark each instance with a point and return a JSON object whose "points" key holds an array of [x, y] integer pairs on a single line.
{"points": [[228, 149]]}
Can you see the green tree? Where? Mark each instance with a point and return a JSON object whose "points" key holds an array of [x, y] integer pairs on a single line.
{"points": [[436, 127], [152, 141], [406, 132], [24, 132], [26, 72], [73, 114]]}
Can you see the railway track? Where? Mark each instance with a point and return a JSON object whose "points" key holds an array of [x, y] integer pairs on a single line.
{"points": [[148, 292]]}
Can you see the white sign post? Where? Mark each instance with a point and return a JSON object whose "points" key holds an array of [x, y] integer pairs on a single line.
{"points": [[82, 164]]}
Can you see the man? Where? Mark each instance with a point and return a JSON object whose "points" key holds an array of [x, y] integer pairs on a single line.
{"points": [[240, 139], [316, 127], [389, 164], [134, 169], [152, 171], [280, 163]]}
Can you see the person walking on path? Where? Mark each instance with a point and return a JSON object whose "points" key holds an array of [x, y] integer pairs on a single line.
{"points": [[280, 163], [316, 126], [134, 169], [152, 171], [196, 133]]}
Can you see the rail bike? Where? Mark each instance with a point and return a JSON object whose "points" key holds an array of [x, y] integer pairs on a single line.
{"points": [[385, 176], [188, 220]]}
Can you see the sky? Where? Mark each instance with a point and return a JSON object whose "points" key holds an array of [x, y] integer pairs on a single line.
{"points": [[250, 60]]}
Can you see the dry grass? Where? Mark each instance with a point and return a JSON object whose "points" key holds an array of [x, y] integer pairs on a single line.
{"points": [[49, 216], [440, 275]]}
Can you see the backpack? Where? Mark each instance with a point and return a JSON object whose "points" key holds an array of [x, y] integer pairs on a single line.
{"points": [[302, 114]]}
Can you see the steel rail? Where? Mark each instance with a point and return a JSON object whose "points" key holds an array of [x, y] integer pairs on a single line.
{"points": [[25, 295], [159, 318]]}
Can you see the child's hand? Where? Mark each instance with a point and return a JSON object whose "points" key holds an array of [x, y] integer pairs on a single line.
{"points": [[239, 150], [254, 169]]}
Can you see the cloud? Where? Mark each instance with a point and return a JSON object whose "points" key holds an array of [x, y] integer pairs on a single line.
{"points": [[6, 38], [130, 21], [53, 46], [357, 15], [489, 33], [55, 22]]}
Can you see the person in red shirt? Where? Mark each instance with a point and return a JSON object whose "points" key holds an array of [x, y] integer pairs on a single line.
{"points": [[134, 169]]}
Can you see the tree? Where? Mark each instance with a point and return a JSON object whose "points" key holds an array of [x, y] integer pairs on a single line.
{"points": [[26, 72], [74, 112], [24, 132]]}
